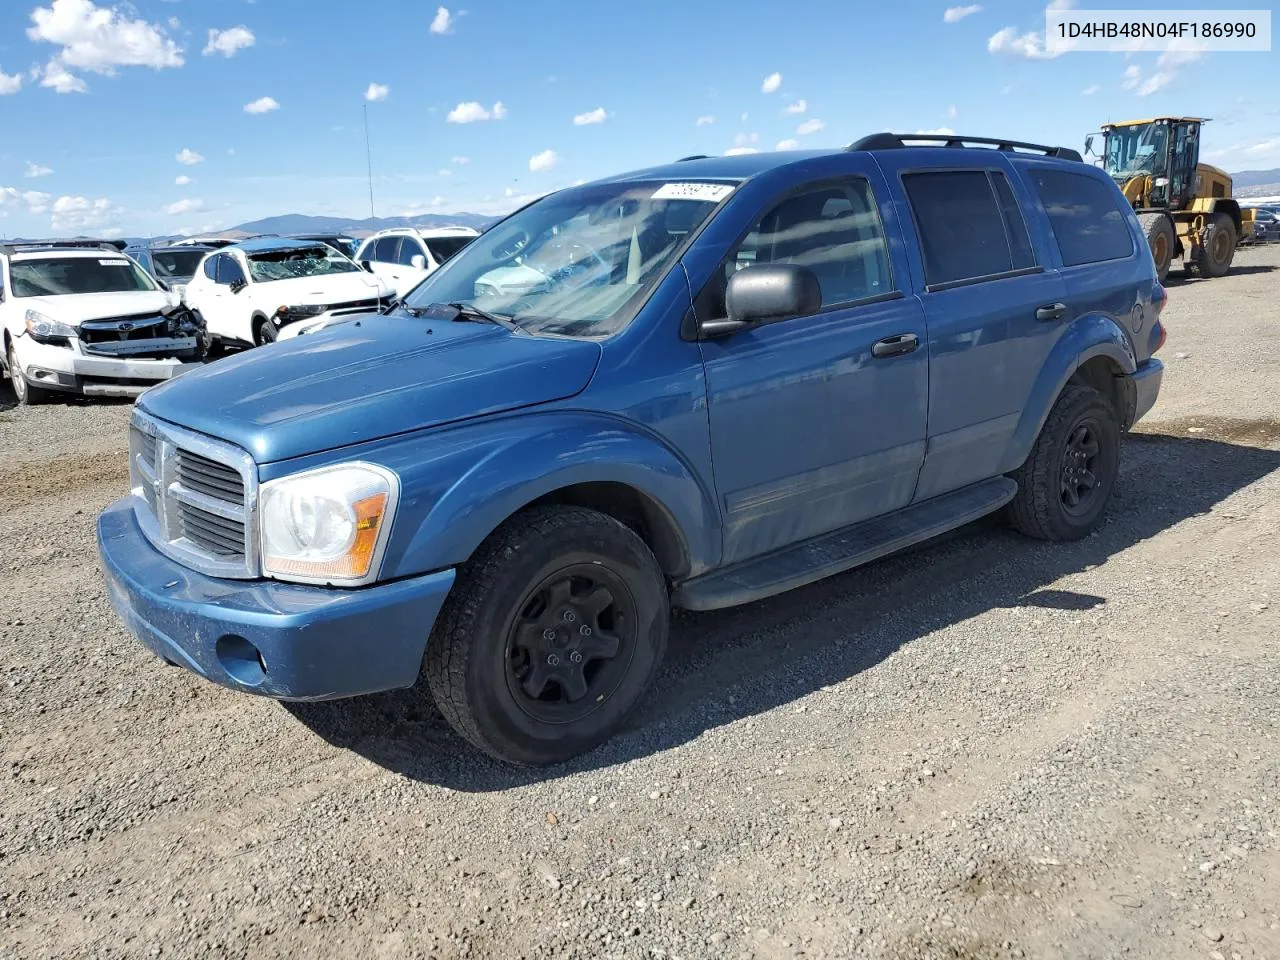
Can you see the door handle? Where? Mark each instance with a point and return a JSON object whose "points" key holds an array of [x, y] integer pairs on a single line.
{"points": [[895, 346], [1052, 311]]}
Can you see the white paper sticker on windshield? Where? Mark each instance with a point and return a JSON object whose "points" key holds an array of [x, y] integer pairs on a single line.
{"points": [[710, 192], [113, 263]]}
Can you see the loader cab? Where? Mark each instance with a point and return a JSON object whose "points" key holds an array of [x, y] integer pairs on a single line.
{"points": [[1155, 161]]}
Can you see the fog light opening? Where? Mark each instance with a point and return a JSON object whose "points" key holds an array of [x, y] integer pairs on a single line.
{"points": [[242, 661]]}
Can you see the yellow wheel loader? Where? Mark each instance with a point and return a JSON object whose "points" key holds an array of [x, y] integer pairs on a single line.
{"points": [[1185, 206]]}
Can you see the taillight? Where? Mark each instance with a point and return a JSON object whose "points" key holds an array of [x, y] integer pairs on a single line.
{"points": [[1160, 336], [1159, 297]]}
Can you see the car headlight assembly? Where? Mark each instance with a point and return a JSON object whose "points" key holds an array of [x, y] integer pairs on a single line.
{"points": [[301, 310], [328, 525], [45, 329]]}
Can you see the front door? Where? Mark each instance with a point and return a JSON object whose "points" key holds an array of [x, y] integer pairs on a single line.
{"points": [[817, 422]]}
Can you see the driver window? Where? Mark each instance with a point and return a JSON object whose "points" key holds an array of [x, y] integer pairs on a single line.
{"points": [[409, 248], [229, 271], [833, 229]]}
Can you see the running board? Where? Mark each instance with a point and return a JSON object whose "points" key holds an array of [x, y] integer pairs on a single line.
{"points": [[843, 549]]}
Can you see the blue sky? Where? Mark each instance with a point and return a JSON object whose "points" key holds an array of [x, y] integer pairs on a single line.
{"points": [[101, 103]]}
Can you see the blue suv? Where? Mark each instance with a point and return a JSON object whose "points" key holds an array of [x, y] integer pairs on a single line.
{"points": [[695, 385]]}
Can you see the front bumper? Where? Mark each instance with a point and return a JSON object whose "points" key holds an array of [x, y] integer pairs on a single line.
{"points": [[1147, 381], [280, 640], [72, 370]]}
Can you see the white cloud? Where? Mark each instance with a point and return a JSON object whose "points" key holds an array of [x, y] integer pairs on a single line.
{"points": [[800, 106], [742, 139], [473, 112], [1090, 90], [788, 145], [1264, 149], [956, 14], [810, 126], [1009, 42], [262, 105], [543, 161], [183, 206], [10, 83], [598, 115], [181, 181], [442, 22], [740, 151], [1132, 77], [1155, 83], [376, 92], [705, 120], [98, 39], [188, 157], [228, 42], [37, 170], [1061, 5], [461, 160], [56, 77], [446, 172], [951, 112], [36, 201], [771, 83], [936, 132], [75, 213], [744, 116]]}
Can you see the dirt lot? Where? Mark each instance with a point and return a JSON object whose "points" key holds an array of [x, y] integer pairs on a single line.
{"points": [[985, 748]]}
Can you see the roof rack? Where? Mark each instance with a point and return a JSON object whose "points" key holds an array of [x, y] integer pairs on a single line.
{"points": [[894, 141], [25, 246], [696, 156]]}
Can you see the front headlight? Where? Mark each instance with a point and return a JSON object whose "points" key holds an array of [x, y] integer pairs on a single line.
{"points": [[328, 525], [301, 310], [43, 327]]}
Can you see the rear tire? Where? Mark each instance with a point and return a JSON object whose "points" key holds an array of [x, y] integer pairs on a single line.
{"points": [[552, 634], [1161, 240], [1065, 484], [27, 395], [1219, 246]]}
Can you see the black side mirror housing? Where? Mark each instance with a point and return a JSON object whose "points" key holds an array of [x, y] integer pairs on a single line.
{"points": [[766, 292], [366, 265], [238, 285]]}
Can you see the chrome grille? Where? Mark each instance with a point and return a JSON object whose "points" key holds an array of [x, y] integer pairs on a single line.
{"points": [[196, 497]]}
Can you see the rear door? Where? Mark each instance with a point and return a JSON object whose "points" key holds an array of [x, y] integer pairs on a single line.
{"points": [[992, 300]]}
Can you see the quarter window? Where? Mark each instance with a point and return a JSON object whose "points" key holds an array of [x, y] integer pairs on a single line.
{"points": [[833, 229], [1086, 219], [966, 231]]}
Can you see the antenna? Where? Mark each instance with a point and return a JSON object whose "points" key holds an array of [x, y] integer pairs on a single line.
{"points": [[368, 153]]}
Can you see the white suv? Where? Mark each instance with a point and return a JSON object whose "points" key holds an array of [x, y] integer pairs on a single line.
{"points": [[83, 318], [272, 288], [404, 256]]}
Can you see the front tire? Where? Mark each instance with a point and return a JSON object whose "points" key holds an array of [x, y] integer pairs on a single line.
{"points": [[264, 332], [1065, 484], [551, 636], [28, 395], [1161, 240], [1219, 246]]}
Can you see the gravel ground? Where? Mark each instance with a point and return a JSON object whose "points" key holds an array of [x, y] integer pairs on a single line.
{"points": [[983, 748]]}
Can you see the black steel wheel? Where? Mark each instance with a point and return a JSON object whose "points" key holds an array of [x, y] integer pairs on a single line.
{"points": [[551, 635], [1065, 484]]}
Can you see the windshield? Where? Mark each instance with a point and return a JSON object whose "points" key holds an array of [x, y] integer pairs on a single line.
{"points": [[577, 262], [55, 277], [1138, 149], [442, 248], [176, 263], [290, 264]]}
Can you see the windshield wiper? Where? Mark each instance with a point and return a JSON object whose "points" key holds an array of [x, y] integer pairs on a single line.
{"points": [[465, 312]]}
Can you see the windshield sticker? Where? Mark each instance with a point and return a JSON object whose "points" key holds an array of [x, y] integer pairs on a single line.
{"points": [[709, 192], [113, 263]]}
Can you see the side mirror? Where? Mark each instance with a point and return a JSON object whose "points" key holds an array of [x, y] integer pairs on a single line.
{"points": [[162, 285], [418, 262], [770, 291], [366, 265], [1088, 145]]}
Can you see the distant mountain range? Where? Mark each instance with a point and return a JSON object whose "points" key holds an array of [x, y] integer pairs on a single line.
{"points": [[1256, 183], [300, 223]]}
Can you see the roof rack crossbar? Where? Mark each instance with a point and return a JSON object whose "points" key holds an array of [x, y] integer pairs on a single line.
{"points": [[894, 141], [26, 246], [695, 156]]}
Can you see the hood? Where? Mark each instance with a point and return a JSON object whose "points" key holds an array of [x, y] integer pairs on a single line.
{"points": [[75, 308], [380, 376], [331, 288]]}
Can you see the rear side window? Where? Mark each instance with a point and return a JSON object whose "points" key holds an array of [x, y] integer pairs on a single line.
{"points": [[969, 225], [1087, 222]]}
